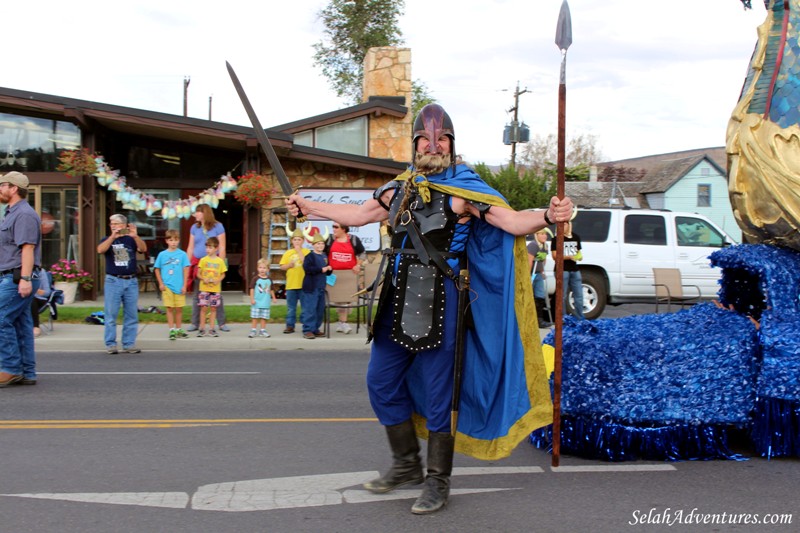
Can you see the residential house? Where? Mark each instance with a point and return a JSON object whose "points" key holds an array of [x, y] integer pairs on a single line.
{"points": [[694, 181]]}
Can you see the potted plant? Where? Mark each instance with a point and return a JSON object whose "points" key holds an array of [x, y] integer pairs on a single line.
{"points": [[67, 276], [254, 190]]}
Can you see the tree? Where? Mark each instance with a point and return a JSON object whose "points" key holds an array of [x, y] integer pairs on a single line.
{"points": [[419, 97], [352, 27], [581, 151], [526, 191]]}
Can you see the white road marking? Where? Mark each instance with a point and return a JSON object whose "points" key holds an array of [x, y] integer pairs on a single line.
{"points": [[304, 491], [174, 500], [365, 496], [613, 468], [491, 470]]}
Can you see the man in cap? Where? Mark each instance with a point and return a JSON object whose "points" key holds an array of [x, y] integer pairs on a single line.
{"points": [[445, 219], [292, 263], [20, 257]]}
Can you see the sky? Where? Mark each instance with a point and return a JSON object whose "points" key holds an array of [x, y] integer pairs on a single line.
{"points": [[643, 77]]}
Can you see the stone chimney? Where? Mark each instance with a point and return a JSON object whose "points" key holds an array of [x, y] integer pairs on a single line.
{"points": [[387, 72]]}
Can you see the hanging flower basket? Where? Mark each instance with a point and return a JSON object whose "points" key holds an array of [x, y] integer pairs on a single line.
{"points": [[254, 190], [75, 163]]}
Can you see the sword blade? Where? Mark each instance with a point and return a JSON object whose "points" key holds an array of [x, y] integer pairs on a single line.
{"points": [[261, 135]]}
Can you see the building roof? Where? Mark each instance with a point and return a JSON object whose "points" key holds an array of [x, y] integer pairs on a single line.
{"points": [[662, 177], [606, 194], [649, 162], [202, 132], [377, 105]]}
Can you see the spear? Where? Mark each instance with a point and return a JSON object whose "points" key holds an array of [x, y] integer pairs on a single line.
{"points": [[563, 41]]}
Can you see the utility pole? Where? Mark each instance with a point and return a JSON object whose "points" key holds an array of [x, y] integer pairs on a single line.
{"points": [[515, 125], [186, 81]]}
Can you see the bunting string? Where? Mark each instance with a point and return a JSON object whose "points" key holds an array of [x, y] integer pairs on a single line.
{"points": [[136, 200]]}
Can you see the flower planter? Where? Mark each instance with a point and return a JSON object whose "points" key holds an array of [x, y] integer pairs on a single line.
{"points": [[69, 288]]}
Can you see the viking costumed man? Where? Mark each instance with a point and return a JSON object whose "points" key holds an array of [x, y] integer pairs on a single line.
{"points": [[445, 221]]}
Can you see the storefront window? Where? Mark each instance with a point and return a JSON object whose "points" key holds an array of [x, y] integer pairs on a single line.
{"points": [[60, 223], [29, 144]]}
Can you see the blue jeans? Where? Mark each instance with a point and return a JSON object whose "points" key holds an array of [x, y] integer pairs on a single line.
{"points": [[17, 355], [538, 286], [124, 292], [313, 310], [573, 283], [292, 297]]}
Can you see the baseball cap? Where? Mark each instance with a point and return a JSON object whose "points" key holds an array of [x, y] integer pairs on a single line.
{"points": [[15, 178]]}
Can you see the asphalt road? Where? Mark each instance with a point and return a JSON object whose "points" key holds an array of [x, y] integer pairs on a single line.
{"points": [[278, 441]]}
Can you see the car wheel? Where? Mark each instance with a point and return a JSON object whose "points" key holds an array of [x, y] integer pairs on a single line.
{"points": [[594, 295]]}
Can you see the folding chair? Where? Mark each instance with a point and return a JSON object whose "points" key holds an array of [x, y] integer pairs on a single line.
{"points": [[669, 288], [55, 299], [344, 290]]}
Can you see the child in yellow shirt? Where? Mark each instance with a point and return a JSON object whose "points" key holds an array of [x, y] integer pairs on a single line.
{"points": [[211, 271]]}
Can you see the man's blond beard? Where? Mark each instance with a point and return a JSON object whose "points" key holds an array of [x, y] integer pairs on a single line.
{"points": [[429, 164]]}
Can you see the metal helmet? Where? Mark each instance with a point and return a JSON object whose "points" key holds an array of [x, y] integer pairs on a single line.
{"points": [[431, 123]]}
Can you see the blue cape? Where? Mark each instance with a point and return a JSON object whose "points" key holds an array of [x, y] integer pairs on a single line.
{"points": [[505, 392]]}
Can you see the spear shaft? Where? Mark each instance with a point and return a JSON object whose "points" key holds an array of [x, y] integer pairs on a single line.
{"points": [[563, 41]]}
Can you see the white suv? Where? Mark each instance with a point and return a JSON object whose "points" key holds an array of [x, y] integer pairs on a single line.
{"points": [[622, 246]]}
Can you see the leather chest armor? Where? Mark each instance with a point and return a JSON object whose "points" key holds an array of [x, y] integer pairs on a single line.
{"points": [[414, 290]]}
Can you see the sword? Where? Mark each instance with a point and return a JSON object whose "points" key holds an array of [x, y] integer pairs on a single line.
{"points": [[458, 365], [263, 140]]}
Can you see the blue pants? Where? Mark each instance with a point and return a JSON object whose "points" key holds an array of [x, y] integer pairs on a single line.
{"points": [[313, 310], [121, 292], [573, 283], [539, 290], [390, 363], [292, 297], [17, 355]]}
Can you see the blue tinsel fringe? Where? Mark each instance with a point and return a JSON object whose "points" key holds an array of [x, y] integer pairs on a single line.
{"points": [[776, 427], [610, 441]]}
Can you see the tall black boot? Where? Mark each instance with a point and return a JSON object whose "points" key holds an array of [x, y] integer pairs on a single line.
{"points": [[406, 465], [540, 313], [440, 466]]}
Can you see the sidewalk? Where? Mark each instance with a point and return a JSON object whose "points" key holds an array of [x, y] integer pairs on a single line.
{"points": [[155, 337]]}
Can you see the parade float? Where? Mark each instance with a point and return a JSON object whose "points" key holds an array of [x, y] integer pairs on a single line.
{"points": [[677, 386]]}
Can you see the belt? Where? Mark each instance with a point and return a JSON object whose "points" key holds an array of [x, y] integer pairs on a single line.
{"points": [[11, 270], [126, 276]]}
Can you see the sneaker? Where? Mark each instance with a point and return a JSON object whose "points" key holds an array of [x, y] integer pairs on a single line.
{"points": [[201, 333], [289, 329], [131, 349], [182, 334], [112, 350], [340, 327], [192, 328], [309, 335], [263, 333], [173, 334], [346, 329], [213, 333], [224, 327], [252, 334]]}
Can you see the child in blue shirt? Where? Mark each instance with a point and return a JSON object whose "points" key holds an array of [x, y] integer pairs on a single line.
{"points": [[171, 268], [262, 295]]}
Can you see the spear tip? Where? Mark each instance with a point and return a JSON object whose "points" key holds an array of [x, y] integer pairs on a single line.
{"points": [[564, 27]]}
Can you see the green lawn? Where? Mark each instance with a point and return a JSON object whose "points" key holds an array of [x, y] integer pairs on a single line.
{"points": [[233, 313]]}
